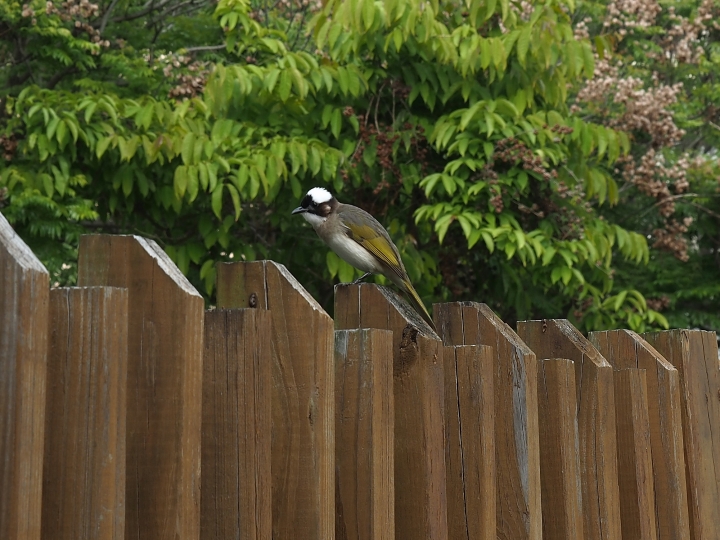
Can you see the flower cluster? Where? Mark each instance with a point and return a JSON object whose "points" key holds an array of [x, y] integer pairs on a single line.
{"points": [[9, 147], [654, 178], [658, 304], [524, 9], [672, 238], [645, 113], [626, 15], [514, 151], [680, 41], [642, 109], [187, 75], [77, 12], [581, 31]]}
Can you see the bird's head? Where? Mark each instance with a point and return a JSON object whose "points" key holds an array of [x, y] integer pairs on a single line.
{"points": [[316, 206]]}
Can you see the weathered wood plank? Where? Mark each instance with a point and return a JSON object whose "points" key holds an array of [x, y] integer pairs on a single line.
{"points": [[557, 338], [420, 498], [365, 494], [559, 452], [624, 349], [637, 493], [517, 446], [164, 398], [695, 355], [84, 466], [470, 441], [236, 490], [303, 422], [24, 293]]}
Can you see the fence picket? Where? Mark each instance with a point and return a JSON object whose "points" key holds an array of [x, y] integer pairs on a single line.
{"points": [[420, 498], [470, 441], [559, 455], [84, 465], [364, 422], [695, 355], [517, 447], [24, 297], [164, 394], [236, 493], [557, 338], [637, 492], [303, 422], [625, 349]]}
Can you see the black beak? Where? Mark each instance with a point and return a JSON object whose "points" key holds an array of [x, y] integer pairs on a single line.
{"points": [[299, 210]]}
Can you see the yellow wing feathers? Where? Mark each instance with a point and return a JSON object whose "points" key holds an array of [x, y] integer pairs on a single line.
{"points": [[384, 250], [379, 246]]}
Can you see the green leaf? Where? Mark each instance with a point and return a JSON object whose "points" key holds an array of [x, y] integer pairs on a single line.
{"points": [[333, 263], [193, 184], [368, 12], [346, 273], [48, 184], [61, 132], [127, 184], [271, 79], [216, 200], [235, 196], [336, 123], [285, 85], [102, 145], [180, 181], [188, 147], [523, 44]]}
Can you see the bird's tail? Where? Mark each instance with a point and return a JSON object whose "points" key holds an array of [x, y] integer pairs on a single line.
{"points": [[418, 304]]}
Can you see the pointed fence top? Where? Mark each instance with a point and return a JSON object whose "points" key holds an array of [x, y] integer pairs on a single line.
{"points": [[18, 249]]}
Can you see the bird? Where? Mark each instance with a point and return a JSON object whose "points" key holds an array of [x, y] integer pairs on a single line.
{"points": [[360, 240]]}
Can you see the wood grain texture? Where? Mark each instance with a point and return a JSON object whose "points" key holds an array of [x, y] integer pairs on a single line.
{"points": [[470, 441], [24, 293], [559, 451], [517, 446], [84, 466], [420, 498], [637, 493], [695, 355], [557, 338], [303, 421], [624, 349], [236, 492], [364, 438], [164, 395]]}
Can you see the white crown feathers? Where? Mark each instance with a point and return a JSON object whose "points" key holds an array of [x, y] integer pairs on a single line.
{"points": [[320, 195]]}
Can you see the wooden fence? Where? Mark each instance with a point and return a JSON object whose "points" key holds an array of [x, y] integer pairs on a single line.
{"points": [[127, 411]]}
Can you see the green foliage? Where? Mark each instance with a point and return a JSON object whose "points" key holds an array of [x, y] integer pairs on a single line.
{"points": [[453, 128], [662, 62]]}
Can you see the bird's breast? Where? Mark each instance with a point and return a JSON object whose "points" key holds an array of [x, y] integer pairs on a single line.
{"points": [[353, 253]]}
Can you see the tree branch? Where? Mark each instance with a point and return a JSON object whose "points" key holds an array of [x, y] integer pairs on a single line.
{"points": [[106, 16], [141, 13], [205, 48], [675, 197], [60, 75], [706, 210]]}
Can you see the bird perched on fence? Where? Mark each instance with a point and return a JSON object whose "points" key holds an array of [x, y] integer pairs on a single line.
{"points": [[358, 239]]}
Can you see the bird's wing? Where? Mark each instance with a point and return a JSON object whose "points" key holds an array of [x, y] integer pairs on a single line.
{"points": [[375, 240]]}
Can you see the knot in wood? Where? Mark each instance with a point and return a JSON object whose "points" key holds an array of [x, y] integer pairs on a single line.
{"points": [[408, 350], [253, 301]]}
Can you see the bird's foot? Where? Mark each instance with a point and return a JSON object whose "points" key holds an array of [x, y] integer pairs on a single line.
{"points": [[358, 280]]}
